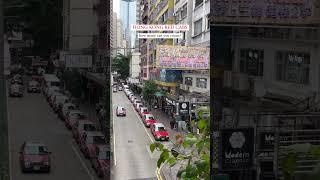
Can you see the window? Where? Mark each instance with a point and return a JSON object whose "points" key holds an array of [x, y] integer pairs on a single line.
{"points": [[197, 27], [208, 22], [251, 61], [201, 83], [184, 11], [292, 67], [188, 81], [198, 3]]}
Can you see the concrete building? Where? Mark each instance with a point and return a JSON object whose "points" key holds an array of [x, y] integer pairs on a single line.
{"points": [[120, 38], [271, 84], [195, 14], [114, 34], [128, 17], [79, 24], [135, 65]]}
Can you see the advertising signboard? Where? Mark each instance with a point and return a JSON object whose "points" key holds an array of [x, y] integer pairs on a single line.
{"points": [[237, 149], [283, 12], [184, 107], [182, 57], [78, 61]]}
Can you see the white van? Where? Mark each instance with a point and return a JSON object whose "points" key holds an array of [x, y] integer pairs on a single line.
{"points": [[50, 80]]}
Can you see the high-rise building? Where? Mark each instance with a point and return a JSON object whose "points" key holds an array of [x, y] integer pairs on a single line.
{"points": [[128, 17]]}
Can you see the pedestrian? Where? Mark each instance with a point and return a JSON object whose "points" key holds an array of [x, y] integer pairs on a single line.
{"points": [[172, 123]]}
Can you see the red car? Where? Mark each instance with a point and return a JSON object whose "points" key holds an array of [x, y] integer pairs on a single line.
{"points": [[143, 111], [148, 119], [73, 116], [101, 161], [82, 126], [159, 132], [34, 156], [89, 141]]}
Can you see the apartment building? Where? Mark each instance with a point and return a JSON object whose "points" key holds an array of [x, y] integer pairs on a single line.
{"points": [[271, 79]]}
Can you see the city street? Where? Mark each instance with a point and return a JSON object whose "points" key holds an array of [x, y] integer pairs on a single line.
{"points": [[31, 118], [132, 157]]}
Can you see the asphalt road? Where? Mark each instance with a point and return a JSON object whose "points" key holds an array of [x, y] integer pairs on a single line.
{"points": [[31, 118], [132, 157]]}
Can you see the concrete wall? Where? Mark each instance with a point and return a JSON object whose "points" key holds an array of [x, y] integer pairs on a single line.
{"points": [[134, 65], [269, 72], [194, 77]]}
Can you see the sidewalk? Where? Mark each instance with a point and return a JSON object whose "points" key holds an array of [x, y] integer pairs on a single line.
{"points": [[163, 118]]}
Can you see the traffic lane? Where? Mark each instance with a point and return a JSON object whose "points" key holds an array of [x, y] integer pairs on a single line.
{"points": [[167, 144], [133, 159], [31, 118]]}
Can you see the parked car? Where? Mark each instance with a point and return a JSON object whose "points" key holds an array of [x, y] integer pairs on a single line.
{"points": [[101, 161], [16, 81], [16, 90], [133, 98], [81, 127], [51, 90], [143, 110], [114, 89], [34, 156], [33, 86], [148, 119], [58, 102], [159, 132], [66, 107], [138, 106], [136, 101], [88, 142], [120, 88], [74, 116], [52, 97], [120, 111]]}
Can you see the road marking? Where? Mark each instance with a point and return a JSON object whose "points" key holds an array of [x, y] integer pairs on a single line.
{"points": [[144, 127], [82, 162]]}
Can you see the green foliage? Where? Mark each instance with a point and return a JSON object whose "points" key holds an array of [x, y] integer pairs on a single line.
{"points": [[148, 91], [121, 64], [197, 148], [288, 165]]}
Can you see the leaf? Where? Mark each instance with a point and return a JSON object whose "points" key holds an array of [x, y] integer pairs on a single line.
{"points": [[171, 161], [205, 157], [152, 147], [163, 157], [202, 124]]}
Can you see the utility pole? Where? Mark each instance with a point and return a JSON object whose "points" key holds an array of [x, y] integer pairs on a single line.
{"points": [[4, 147]]}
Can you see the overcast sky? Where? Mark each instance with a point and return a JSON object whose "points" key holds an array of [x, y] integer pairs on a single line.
{"points": [[116, 4]]}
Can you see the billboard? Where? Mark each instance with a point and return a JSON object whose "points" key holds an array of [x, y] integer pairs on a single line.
{"points": [[77, 61], [277, 12], [182, 57], [237, 148]]}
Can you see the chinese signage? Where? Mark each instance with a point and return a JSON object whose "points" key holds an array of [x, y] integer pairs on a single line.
{"points": [[265, 11], [237, 148], [184, 107], [182, 57], [266, 145]]}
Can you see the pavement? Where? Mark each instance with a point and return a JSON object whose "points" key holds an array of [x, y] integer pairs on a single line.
{"points": [[31, 118]]}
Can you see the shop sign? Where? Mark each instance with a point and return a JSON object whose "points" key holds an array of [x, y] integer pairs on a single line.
{"points": [[237, 148], [168, 107], [286, 12], [265, 155], [266, 140], [170, 101], [184, 107]]}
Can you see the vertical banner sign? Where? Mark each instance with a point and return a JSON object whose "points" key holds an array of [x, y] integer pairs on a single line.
{"points": [[237, 148], [184, 108]]}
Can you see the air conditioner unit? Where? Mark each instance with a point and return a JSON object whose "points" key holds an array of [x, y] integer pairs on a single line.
{"points": [[240, 82], [259, 88], [227, 79]]}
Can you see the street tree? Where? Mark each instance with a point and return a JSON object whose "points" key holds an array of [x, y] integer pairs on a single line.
{"points": [[148, 91], [120, 63], [196, 152]]}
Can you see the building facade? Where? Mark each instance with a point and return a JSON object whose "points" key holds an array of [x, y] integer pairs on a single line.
{"points": [[270, 84]]}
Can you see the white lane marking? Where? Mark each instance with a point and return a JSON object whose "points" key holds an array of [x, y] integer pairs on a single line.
{"points": [[82, 162], [139, 118]]}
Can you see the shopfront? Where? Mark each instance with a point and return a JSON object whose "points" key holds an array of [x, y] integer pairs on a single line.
{"points": [[169, 106]]}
